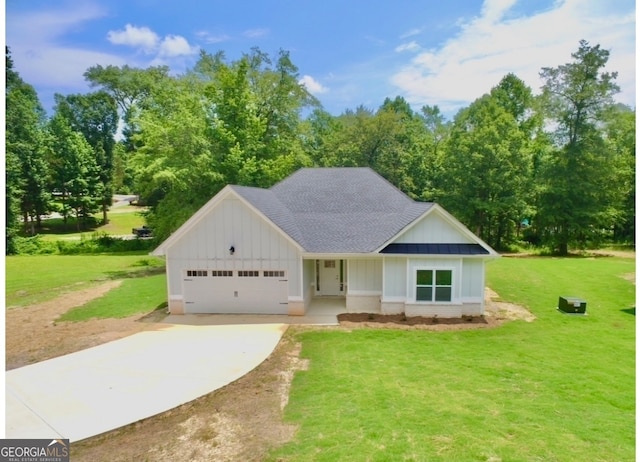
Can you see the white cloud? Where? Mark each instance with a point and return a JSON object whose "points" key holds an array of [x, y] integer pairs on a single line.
{"points": [[411, 46], [35, 26], [137, 37], [490, 46], [494, 10], [208, 37], [175, 45], [411, 33], [146, 40], [47, 60], [312, 85], [44, 62], [255, 33]]}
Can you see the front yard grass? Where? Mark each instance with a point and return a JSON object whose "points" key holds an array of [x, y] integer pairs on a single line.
{"points": [[35, 278], [134, 296], [558, 389], [121, 221]]}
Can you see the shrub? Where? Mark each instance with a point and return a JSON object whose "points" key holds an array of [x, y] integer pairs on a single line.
{"points": [[33, 246], [97, 243]]}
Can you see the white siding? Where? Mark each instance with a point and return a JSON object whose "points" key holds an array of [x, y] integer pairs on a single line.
{"points": [[258, 246], [473, 279], [395, 277], [433, 229], [400, 286], [308, 282], [365, 276]]}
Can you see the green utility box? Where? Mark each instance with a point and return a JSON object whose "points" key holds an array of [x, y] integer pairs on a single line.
{"points": [[572, 305]]}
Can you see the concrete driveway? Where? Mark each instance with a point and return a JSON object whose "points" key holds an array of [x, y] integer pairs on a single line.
{"points": [[106, 387]]}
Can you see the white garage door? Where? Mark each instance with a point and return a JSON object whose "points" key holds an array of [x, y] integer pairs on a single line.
{"points": [[246, 291]]}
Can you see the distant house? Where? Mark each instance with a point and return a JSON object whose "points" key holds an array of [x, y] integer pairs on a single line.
{"points": [[324, 232]]}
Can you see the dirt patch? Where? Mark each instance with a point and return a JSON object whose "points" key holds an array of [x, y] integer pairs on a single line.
{"points": [[631, 277], [613, 253], [496, 313], [33, 335], [503, 311], [241, 421]]}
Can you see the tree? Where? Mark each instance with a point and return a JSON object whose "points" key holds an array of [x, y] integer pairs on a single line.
{"points": [[317, 131], [75, 174], [95, 115], [254, 112], [487, 171], [404, 159], [429, 178], [129, 87], [578, 200], [220, 123], [620, 139], [26, 169]]}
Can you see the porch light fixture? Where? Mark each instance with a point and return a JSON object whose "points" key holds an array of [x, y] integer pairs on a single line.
{"points": [[232, 250]]}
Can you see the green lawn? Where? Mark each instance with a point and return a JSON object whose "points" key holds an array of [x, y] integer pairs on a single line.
{"points": [[121, 221], [134, 296], [561, 388], [35, 278]]}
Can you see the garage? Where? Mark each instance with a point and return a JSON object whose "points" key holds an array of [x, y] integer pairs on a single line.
{"points": [[235, 291]]}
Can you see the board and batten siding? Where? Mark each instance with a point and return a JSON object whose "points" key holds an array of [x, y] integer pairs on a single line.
{"points": [[258, 245], [399, 281], [472, 280], [364, 285], [395, 278], [434, 229], [365, 276]]}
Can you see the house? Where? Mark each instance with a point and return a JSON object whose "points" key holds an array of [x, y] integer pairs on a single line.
{"points": [[324, 232]]}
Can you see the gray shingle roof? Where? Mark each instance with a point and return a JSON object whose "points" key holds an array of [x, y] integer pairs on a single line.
{"points": [[336, 210], [265, 201]]}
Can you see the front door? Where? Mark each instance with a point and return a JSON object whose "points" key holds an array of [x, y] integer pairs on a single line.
{"points": [[330, 277]]}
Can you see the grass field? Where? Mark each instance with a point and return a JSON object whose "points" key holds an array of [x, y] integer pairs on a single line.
{"points": [[561, 388], [135, 295], [33, 279], [121, 221]]}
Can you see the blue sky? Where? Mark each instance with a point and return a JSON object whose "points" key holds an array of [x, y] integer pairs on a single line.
{"points": [[349, 53]]}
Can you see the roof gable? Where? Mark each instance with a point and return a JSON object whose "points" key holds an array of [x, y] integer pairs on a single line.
{"points": [[443, 233], [237, 191]]}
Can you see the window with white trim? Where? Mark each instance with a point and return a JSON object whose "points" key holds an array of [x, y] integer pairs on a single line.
{"points": [[434, 285]]}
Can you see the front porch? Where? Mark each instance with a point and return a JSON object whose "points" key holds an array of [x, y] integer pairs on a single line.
{"points": [[321, 307]]}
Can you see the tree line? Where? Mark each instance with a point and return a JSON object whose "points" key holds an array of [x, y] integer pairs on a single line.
{"points": [[555, 169]]}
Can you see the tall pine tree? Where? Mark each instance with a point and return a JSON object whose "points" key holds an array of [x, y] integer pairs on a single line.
{"points": [[578, 201]]}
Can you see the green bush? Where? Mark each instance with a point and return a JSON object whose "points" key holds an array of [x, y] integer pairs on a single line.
{"points": [[97, 243], [33, 246]]}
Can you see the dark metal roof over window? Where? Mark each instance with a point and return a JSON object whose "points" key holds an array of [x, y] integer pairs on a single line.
{"points": [[435, 249]]}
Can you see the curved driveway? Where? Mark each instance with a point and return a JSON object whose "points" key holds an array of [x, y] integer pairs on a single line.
{"points": [[105, 387]]}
